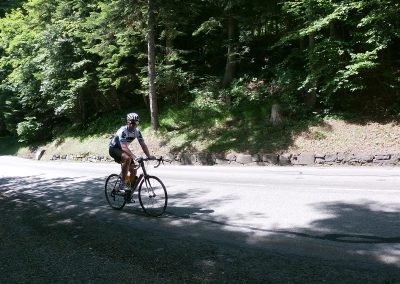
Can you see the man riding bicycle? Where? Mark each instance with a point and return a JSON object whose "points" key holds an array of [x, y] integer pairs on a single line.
{"points": [[119, 150]]}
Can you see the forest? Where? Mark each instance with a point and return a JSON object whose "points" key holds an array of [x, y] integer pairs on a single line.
{"points": [[69, 62]]}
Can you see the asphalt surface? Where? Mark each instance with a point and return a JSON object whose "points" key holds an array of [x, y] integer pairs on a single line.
{"points": [[57, 228]]}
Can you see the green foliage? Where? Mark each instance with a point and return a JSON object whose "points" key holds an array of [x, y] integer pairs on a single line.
{"points": [[8, 5], [70, 62], [9, 145], [207, 96], [174, 119], [207, 27], [351, 42], [115, 46], [29, 130], [174, 84]]}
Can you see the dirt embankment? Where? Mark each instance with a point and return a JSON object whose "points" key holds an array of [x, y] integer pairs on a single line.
{"points": [[346, 137], [331, 136]]}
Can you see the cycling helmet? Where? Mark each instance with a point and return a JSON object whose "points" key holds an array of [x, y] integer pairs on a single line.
{"points": [[132, 117]]}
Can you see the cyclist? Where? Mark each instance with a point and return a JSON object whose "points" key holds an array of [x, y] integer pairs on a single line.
{"points": [[119, 150]]}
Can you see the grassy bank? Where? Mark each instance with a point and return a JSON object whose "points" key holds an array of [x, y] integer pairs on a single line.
{"points": [[194, 130]]}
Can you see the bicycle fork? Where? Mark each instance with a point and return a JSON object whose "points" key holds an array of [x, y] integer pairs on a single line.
{"points": [[149, 189]]}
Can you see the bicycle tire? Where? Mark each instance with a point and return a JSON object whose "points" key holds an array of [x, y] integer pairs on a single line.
{"points": [[115, 200], [153, 196]]}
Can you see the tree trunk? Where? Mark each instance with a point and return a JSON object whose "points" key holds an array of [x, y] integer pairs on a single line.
{"points": [[151, 66], [145, 100], [231, 55], [332, 30], [301, 43], [82, 108], [275, 117], [311, 97]]}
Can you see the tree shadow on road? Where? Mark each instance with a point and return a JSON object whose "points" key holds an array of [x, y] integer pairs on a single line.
{"points": [[367, 222], [366, 231]]}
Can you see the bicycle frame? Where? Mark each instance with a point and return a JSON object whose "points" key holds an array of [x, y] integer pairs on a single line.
{"points": [[152, 194], [144, 174]]}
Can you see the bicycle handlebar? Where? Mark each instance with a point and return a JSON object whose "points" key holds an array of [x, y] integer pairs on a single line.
{"points": [[159, 160]]}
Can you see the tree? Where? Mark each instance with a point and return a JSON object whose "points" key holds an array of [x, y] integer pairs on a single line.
{"points": [[68, 61], [8, 5], [19, 45], [151, 64]]}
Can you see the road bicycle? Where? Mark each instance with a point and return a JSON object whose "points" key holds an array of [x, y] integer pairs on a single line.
{"points": [[151, 191]]}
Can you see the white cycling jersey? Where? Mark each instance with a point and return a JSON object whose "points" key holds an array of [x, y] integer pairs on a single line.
{"points": [[125, 136]]}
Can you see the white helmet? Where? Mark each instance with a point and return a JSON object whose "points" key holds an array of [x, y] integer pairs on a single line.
{"points": [[132, 117]]}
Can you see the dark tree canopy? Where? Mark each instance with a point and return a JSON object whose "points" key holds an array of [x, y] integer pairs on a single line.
{"points": [[64, 62]]}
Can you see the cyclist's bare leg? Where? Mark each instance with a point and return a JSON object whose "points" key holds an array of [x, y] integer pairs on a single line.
{"points": [[126, 161], [132, 171]]}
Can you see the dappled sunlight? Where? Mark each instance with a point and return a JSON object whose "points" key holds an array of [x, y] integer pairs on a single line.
{"points": [[68, 221], [365, 217], [367, 226], [60, 194], [372, 229], [87, 199], [363, 229], [390, 255]]}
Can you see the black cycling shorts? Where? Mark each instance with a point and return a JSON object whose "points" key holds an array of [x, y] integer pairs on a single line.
{"points": [[116, 153]]}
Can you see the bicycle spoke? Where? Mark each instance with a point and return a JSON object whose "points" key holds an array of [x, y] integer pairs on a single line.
{"points": [[153, 196], [114, 198], [151, 191]]}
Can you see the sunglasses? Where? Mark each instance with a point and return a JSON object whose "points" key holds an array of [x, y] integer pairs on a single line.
{"points": [[134, 122]]}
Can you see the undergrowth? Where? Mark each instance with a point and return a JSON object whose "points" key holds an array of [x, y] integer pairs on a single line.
{"points": [[192, 128]]}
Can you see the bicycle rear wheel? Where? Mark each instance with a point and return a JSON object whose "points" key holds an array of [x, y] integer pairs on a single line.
{"points": [[153, 196], [114, 198]]}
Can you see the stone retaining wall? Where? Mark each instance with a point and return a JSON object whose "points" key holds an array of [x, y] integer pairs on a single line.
{"points": [[308, 159]]}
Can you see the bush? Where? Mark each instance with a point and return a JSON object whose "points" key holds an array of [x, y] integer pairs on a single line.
{"points": [[29, 130]]}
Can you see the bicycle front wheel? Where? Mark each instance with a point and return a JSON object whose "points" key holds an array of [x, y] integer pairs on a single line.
{"points": [[153, 196], [114, 197]]}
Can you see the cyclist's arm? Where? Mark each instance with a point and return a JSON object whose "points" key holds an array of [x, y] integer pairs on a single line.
{"points": [[145, 148]]}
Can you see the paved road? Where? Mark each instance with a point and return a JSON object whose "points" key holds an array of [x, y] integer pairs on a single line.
{"points": [[340, 216]]}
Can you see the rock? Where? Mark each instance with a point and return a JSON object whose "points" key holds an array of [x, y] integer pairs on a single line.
{"points": [[169, 158], [284, 159], [303, 159], [358, 158], [270, 158], [244, 159], [221, 161], [364, 158], [340, 157], [188, 159], [331, 158], [231, 157], [382, 157], [206, 159], [220, 156]]}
